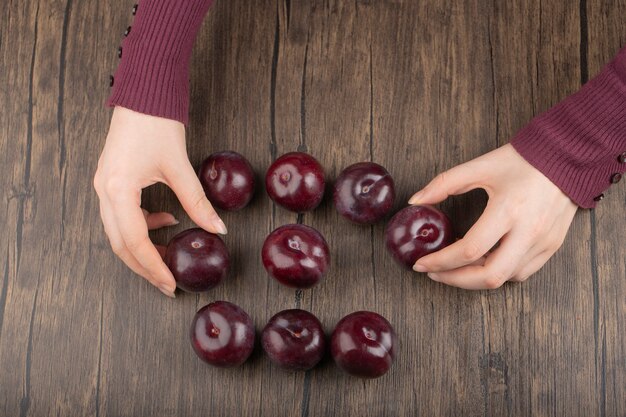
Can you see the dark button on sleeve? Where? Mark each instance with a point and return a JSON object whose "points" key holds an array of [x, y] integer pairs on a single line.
{"points": [[599, 198], [111, 80], [127, 31], [615, 178], [622, 158], [119, 52], [135, 7]]}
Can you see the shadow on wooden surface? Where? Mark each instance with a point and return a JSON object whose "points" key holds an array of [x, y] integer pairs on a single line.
{"points": [[416, 86]]}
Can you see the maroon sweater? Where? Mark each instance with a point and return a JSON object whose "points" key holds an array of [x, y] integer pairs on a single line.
{"points": [[580, 144]]}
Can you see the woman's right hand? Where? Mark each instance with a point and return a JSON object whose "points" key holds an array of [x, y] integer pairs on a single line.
{"points": [[141, 150]]}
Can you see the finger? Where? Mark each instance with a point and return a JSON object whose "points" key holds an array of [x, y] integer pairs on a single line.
{"points": [[532, 266], [134, 231], [120, 249], [498, 268], [486, 232], [532, 253], [458, 180], [158, 220], [118, 245], [479, 262], [544, 251], [184, 182]]}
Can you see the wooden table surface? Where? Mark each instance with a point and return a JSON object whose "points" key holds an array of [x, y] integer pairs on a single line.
{"points": [[418, 86]]}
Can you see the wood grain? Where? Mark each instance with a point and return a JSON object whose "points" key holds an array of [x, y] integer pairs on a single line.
{"points": [[608, 257], [416, 86]]}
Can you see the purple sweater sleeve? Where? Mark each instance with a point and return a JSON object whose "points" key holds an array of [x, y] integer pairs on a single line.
{"points": [[153, 73], [580, 144]]}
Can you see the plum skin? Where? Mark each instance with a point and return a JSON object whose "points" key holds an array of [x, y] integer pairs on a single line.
{"points": [[199, 260], [228, 180], [296, 255], [364, 193], [296, 182], [364, 344], [294, 340], [222, 334], [417, 231]]}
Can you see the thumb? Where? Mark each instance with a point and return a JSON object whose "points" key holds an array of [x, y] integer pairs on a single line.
{"points": [[182, 179], [457, 180]]}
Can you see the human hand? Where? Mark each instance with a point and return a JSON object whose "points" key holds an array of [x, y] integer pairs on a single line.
{"points": [[526, 213], [141, 150]]}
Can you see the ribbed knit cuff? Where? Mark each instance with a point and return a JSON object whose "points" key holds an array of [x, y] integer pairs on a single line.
{"points": [[577, 143], [153, 74]]}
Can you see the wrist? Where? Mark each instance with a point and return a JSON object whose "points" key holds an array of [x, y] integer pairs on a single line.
{"points": [[577, 144]]}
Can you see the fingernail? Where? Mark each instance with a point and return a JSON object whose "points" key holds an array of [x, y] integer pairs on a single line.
{"points": [[419, 268], [220, 227], [416, 198], [165, 290], [433, 276], [173, 222]]}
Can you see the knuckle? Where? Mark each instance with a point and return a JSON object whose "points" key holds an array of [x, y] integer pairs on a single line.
{"points": [[117, 248], [114, 185], [556, 244], [538, 228], [441, 178], [519, 277], [198, 198], [471, 251], [136, 243], [513, 209], [495, 279], [553, 247], [96, 183], [493, 283]]}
